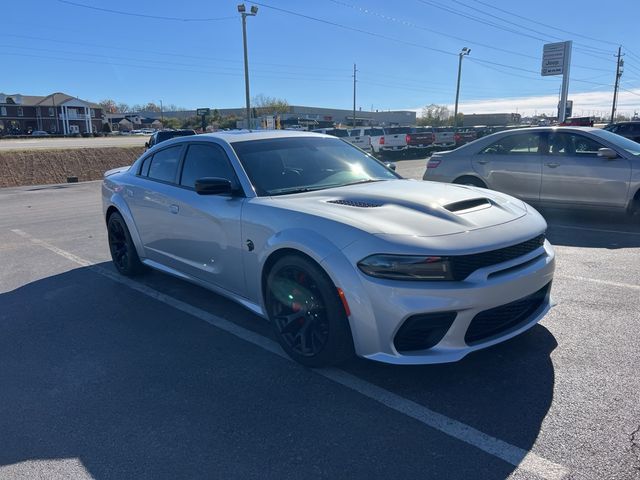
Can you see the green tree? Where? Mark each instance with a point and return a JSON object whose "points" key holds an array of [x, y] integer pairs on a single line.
{"points": [[265, 105], [169, 122], [435, 116]]}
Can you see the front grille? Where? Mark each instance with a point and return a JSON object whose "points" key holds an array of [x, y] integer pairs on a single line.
{"points": [[423, 331], [496, 321], [464, 265]]}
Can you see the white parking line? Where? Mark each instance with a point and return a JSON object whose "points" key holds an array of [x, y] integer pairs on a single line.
{"points": [[604, 282], [603, 230], [516, 456]]}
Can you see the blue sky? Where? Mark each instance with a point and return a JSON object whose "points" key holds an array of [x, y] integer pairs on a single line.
{"points": [[405, 52]]}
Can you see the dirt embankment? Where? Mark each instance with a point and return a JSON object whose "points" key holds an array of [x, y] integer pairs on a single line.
{"points": [[39, 167]]}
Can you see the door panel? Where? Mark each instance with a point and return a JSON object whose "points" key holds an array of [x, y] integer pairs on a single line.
{"points": [[150, 200], [207, 237], [513, 165], [573, 173]]}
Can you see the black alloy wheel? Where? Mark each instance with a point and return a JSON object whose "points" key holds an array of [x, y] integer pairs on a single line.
{"points": [[306, 313], [123, 251]]}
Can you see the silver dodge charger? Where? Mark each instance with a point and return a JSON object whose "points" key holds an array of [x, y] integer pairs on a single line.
{"points": [[336, 250]]}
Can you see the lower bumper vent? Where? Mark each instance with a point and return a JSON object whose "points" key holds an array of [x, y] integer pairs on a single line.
{"points": [[499, 320], [420, 332]]}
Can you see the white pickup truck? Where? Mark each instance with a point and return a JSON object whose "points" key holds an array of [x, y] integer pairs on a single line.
{"points": [[394, 139], [371, 135], [362, 142]]}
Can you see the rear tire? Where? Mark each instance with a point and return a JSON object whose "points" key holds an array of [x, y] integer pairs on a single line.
{"points": [[123, 251], [471, 181], [307, 316]]}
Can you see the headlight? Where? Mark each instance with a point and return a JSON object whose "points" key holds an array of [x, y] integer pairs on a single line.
{"points": [[407, 267]]}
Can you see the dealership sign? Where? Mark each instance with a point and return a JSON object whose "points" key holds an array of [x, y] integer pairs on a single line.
{"points": [[555, 58]]}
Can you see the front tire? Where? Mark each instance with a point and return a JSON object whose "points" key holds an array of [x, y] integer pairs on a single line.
{"points": [[123, 251], [307, 316]]}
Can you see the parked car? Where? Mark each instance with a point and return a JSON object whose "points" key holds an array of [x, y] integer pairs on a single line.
{"points": [[420, 139], [339, 252], [631, 130], [572, 166], [374, 134], [577, 122], [394, 139], [358, 138], [39, 133], [164, 135], [464, 135], [334, 132]]}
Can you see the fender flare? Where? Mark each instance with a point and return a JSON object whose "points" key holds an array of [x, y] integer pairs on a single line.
{"points": [[116, 201]]}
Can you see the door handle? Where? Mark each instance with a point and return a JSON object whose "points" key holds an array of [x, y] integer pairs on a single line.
{"points": [[483, 162], [174, 208], [552, 165]]}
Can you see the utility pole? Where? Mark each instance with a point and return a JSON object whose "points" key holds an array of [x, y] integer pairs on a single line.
{"points": [[619, 65], [252, 13], [161, 112], [463, 52], [354, 95]]}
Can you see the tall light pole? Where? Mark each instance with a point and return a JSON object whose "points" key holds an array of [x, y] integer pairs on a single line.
{"points": [[252, 13], [161, 112], [354, 95], [619, 65], [463, 52]]}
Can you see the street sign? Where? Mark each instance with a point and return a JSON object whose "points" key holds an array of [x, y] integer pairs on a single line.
{"points": [[203, 111], [555, 57]]}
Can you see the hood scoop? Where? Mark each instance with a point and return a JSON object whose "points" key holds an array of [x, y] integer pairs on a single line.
{"points": [[356, 203], [467, 206]]}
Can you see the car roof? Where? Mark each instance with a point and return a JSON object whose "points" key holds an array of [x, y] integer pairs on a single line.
{"points": [[234, 136]]}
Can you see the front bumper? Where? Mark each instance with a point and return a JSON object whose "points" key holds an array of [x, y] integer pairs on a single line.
{"points": [[380, 307]]}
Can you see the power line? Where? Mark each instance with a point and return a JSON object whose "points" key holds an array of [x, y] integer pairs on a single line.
{"points": [[165, 53], [591, 51], [155, 17], [368, 11], [354, 29], [544, 24]]}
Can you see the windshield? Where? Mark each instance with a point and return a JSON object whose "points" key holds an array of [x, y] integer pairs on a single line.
{"points": [[290, 165], [619, 141]]}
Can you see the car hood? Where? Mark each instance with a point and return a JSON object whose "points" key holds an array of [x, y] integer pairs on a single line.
{"points": [[407, 207]]}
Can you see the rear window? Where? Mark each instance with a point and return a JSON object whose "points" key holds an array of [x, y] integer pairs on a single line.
{"points": [[162, 136], [396, 130], [164, 164], [354, 133], [374, 132]]}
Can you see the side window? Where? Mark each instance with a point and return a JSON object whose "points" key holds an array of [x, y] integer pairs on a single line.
{"points": [[572, 144], [164, 164], [144, 168], [206, 161], [586, 146], [523, 143]]}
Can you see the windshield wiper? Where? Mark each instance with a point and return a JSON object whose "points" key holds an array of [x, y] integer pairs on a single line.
{"points": [[285, 191], [367, 180]]}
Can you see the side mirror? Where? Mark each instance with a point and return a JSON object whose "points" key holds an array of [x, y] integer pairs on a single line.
{"points": [[213, 186], [391, 165], [146, 145], [607, 153]]}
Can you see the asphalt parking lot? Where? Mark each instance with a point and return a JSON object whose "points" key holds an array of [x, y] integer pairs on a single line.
{"points": [[108, 378]]}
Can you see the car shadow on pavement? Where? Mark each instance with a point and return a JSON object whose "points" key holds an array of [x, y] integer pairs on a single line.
{"points": [[132, 388], [580, 228]]}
